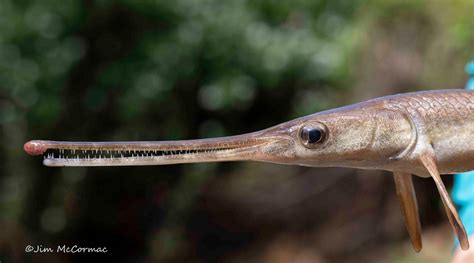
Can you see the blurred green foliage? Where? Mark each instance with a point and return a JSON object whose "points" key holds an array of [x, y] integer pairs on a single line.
{"points": [[145, 50], [149, 70]]}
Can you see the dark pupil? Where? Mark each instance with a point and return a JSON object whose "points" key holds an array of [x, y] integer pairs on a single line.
{"points": [[313, 135]]}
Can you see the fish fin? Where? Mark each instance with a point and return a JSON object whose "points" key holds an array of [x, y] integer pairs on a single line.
{"points": [[407, 197], [429, 161]]}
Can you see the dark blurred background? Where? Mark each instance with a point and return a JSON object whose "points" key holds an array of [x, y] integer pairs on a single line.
{"points": [[160, 70]]}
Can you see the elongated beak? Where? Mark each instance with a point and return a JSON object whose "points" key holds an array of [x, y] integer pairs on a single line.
{"points": [[268, 145]]}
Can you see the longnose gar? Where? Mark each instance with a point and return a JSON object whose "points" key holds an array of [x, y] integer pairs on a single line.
{"points": [[425, 133]]}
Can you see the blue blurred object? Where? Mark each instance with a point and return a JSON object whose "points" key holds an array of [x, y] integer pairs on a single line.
{"points": [[463, 190], [470, 71]]}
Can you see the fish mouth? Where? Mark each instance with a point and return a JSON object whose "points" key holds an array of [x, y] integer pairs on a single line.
{"points": [[252, 146]]}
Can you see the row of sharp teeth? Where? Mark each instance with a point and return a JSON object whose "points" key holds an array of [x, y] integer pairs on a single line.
{"points": [[103, 154]]}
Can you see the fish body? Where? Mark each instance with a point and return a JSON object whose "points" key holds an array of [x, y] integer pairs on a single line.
{"points": [[425, 133]]}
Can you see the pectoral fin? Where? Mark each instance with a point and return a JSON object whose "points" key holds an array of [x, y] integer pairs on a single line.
{"points": [[407, 197], [429, 161]]}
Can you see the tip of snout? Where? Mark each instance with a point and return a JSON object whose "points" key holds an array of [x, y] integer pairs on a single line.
{"points": [[35, 147]]}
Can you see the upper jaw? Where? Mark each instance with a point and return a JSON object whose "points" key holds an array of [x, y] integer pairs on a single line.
{"points": [[265, 145]]}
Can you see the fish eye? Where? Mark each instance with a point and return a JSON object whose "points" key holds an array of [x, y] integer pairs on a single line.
{"points": [[312, 136]]}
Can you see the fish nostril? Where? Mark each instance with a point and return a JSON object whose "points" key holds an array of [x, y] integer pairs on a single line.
{"points": [[34, 148]]}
